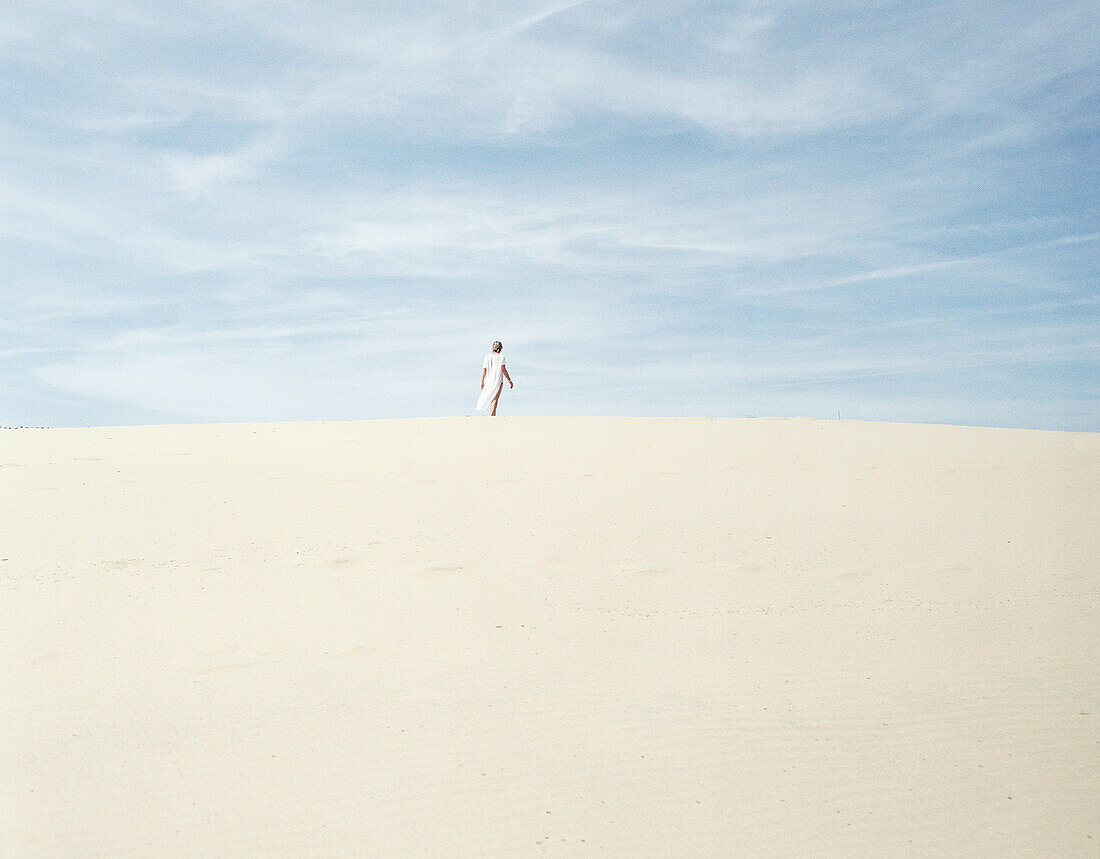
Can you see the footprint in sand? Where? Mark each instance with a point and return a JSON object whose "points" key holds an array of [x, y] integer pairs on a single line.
{"points": [[439, 569], [854, 575]]}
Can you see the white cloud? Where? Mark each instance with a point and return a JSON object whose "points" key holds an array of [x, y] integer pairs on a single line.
{"points": [[196, 175], [196, 185], [543, 15]]}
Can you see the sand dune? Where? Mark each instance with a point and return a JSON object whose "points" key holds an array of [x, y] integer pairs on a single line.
{"points": [[524, 635]]}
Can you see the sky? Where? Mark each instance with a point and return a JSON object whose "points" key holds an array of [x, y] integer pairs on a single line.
{"points": [[265, 211]]}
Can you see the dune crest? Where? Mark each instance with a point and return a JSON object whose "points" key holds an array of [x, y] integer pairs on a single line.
{"points": [[474, 636]]}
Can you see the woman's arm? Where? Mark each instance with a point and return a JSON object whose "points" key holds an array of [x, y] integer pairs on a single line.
{"points": [[484, 370], [506, 376]]}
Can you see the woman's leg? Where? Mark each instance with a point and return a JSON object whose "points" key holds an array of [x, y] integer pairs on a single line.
{"points": [[496, 397]]}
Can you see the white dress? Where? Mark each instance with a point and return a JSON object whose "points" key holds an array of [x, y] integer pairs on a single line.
{"points": [[493, 365]]}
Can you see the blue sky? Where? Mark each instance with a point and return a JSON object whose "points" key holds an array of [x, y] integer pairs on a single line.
{"points": [[234, 210]]}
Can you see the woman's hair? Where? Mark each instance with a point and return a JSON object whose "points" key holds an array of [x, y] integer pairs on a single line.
{"points": [[497, 346]]}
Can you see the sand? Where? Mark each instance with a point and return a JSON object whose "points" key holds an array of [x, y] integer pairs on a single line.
{"points": [[506, 636]]}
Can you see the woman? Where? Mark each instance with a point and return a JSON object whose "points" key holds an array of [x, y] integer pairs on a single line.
{"points": [[492, 368]]}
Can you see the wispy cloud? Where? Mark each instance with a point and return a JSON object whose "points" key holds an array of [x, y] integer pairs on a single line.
{"points": [[799, 202], [543, 15]]}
